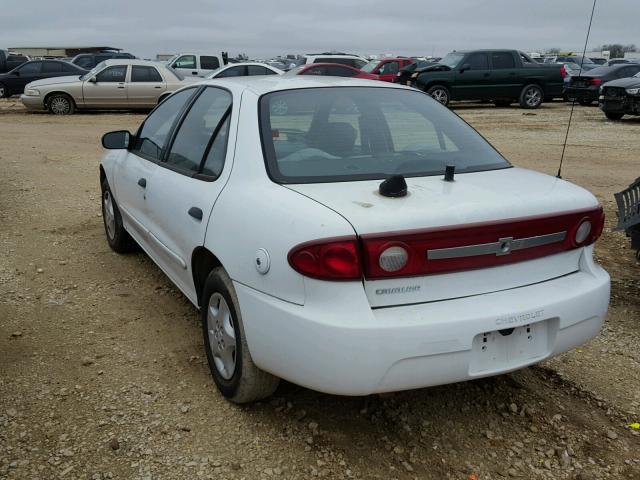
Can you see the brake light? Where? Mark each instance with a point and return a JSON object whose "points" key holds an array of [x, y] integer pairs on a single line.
{"points": [[563, 71], [595, 82], [329, 259]]}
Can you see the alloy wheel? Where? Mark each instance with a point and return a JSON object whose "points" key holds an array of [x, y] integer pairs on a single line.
{"points": [[109, 214], [222, 336], [532, 97], [60, 106], [440, 95]]}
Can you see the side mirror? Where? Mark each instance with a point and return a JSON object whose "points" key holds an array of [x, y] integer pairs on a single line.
{"points": [[117, 140], [465, 67], [93, 80]]}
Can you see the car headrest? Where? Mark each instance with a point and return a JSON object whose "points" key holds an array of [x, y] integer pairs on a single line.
{"points": [[336, 138]]}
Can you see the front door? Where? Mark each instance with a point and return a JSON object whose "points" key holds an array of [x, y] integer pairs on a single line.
{"points": [[145, 86], [187, 184], [22, 75], [388, 70], [137, 169], [108, 88], [473, 78], [187, 65]]}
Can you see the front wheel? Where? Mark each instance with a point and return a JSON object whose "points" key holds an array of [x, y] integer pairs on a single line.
{"points": [[614, 115], [60, 104], [440, 93], [230, 362], [117, 237], [531, 96], [4, 92]]}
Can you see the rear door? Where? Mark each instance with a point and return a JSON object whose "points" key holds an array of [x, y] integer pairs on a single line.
{"points": [[53, 69], [145, 86], [208, 64], [185, 187], [474, 82], [235, 71], [133, 175], [505, 82], [109, 88], [22, 75]]}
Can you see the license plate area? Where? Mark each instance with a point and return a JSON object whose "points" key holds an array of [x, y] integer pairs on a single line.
{"points": [[510, 348]]}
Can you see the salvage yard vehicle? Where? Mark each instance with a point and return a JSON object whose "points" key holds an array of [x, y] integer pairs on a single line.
{"points": [[325, 247], [90, 60], [354, 61], [9, 61], [197, 64], [13, 82], [504, 76], [112, 84], [620, 97], [387, 69], [245, 69], [332, 70], [585, 88], [405, 73]]}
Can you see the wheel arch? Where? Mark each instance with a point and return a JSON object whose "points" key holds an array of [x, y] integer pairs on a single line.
{"points": [[58, 92], [202, 263]]}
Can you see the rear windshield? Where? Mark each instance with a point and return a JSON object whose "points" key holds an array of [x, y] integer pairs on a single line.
{"points": [[364, 133]]}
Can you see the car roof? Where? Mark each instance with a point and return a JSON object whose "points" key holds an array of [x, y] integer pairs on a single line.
{"points": [[336, 55], [309, 66], [273, 83], [132, 61]]}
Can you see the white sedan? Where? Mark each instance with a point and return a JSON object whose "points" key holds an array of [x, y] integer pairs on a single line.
{"points": [[245, 69], [365, 240]]}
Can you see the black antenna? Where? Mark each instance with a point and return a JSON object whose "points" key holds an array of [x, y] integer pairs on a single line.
{"points": [[573, 103]]}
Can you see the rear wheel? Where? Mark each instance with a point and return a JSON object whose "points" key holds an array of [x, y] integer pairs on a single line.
{"points": [[440, 93], [230, 362], [531, 96], [614, 115], [117, 237], [60, 104], [4, 92]]}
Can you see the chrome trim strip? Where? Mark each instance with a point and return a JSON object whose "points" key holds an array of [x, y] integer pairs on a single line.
{"points": [[503, 246]]}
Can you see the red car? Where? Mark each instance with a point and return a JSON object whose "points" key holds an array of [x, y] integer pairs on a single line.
{"points": [[387, 68], [331, 69]]}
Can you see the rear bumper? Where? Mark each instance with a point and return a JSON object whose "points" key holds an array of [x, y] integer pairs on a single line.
{"points": [[343, 348], [582, 93], [32, 103]]}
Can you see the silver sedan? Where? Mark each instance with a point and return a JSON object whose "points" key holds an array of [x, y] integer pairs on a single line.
{"points": [[112, 84]]}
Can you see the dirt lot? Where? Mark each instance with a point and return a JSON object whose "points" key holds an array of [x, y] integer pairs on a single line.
{"points": [[103, 375]]}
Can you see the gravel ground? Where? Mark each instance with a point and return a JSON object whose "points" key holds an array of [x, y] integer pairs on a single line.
{"points": [[103, 375]]}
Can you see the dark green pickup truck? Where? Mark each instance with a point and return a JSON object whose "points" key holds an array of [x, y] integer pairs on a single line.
{"points": [[503, 76]]}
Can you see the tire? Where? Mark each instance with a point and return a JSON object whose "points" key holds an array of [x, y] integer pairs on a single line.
{"points": [[117, 237], [614, 115], [4, 92], [60, 104], [502, 103], [440, 93], [230, 362], [585, 102], [531, 96]]}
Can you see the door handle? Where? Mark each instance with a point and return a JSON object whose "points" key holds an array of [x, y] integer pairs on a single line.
{"points": [[196, 213], [143, 182], [194, 73], [157, 87]]}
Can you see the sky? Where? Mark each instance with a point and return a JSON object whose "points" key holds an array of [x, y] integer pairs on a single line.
{"points": [[264, 29]]}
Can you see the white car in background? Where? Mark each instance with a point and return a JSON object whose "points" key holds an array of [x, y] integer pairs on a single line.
{"points": [[325, 247], [197, 64], [355, 61], [245, 69]]}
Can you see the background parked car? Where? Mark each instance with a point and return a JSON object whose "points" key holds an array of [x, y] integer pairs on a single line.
{"points": [[405, 73], [504, 76], [586, 87], [621, 97], [247, 69], [13, 82], [617, 61], [90, 60], [387, 69], [9, 61], [598, 60], [354, 61], [331, 69], [112, 84], [586, 64], [196, 64]]}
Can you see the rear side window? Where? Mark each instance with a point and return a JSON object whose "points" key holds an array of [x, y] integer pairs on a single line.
{"points": [[145, 74], [478, 61], [152, 137], [51, 67], [335, 134], [68, 67], [341, 71], [197, 128], [30, 68], [85, 62], [502, 60], [117, 73], [258, 70], [209, 63]]}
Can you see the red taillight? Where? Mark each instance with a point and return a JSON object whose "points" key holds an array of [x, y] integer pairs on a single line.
{"points": [[432, 251], [329, 259], [563, 71], [595, 82]]}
